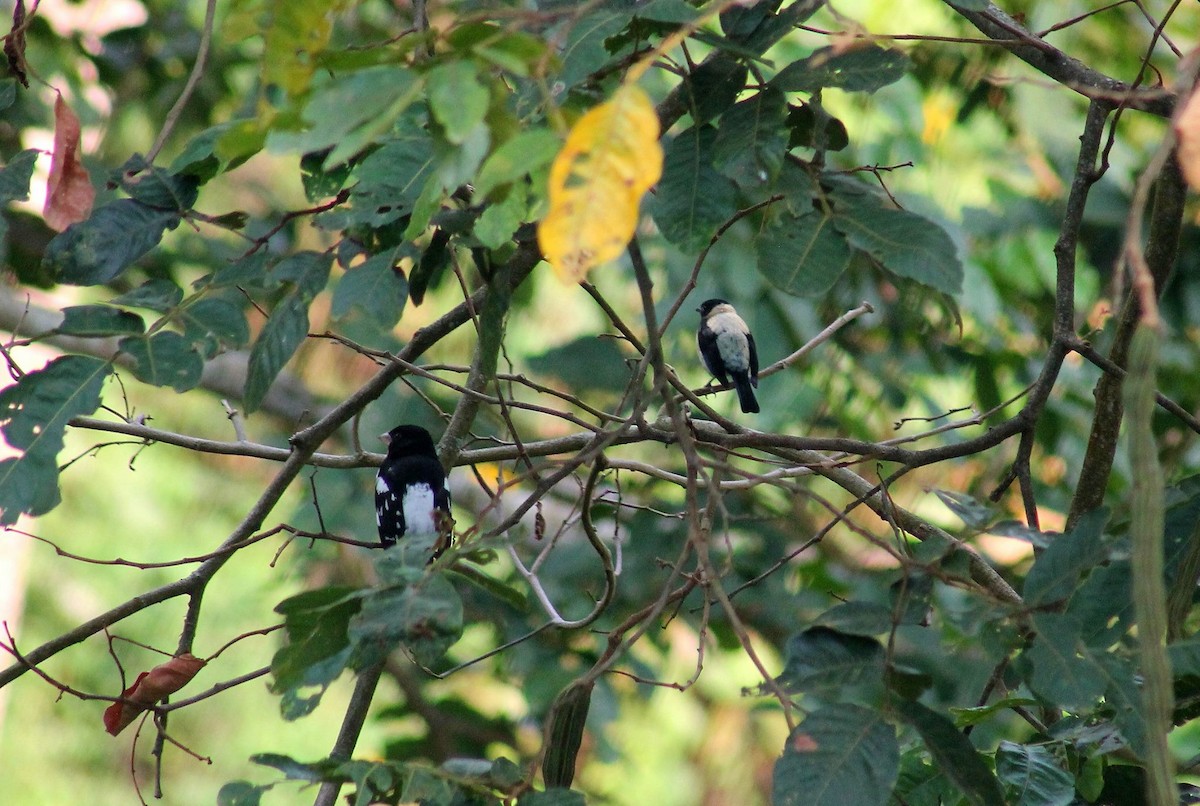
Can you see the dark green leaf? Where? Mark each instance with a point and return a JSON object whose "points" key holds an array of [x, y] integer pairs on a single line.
{"points": [[857, 618], [977, 715], [913, 594], [693, 198], [584, 52], [456, 98], [292, 769], [99, 249], [156, 187], [198, 157], [15, 176], [860, 69], [904, 243], [751, 140], [157, 295], [714, 87], [802, 255], [164, 359], [213, 322], [586, 363], [8, 92], [99, 320], [251, 271], [1057, 570], [308, 271], [810, 126], [33, 416], [1185, 657], [1123, 694], [1060, 673], [510, 595], [425, 618], [377, 288], [279, 339], [822, 659], [502, 218], [569, 717], [553, 797], [240, 793], [840, 755], [390, 180], [1033, 777], [953, 753], [318, 645]]}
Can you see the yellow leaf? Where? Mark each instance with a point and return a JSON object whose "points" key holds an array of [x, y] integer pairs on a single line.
{"points": [[611, 158]]}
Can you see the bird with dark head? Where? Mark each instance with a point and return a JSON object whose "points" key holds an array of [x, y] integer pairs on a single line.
{"points": [[727, 350], [411, 496]]}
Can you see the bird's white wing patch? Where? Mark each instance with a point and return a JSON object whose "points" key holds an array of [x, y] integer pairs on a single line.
{"points": [[381, 485]]}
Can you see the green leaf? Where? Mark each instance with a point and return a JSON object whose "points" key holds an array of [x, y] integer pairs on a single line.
{"points": [[308, 271], [164, 359], [240, 793], [99, 320], [389, 179], [15, 176], [426, 618], [279, 339], [293, 770], [587, 363], [155, 187], [34, 413], [513, 159], [214, 322], [1123, 694], [584, 52], [953, 753], [157, 295], [714, 87], [823, 659], [376, 287], [840, 755], [1060, 673], [802, 255], [362, 102], [751, 140], [456, 98], [97, 250], [693, 198], [904, 243], [497, 224], [857, 618], [860, 69], [553, 797], [1056, 572], [810, 126], [1033, 776], [565, 735], [318, 645]]}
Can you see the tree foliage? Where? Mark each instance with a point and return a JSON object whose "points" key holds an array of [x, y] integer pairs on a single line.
{"points": [[935, 569]]}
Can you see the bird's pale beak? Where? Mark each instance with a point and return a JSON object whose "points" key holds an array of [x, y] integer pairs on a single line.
{"points": [[385, 438]]}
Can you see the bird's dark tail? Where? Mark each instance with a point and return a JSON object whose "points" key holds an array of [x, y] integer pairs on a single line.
{"points": [[745, 393]]}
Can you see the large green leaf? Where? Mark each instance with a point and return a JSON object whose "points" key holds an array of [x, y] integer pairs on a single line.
{"points": [[858, 69], [903, 243], [279, 339], [34, 413], [1057, 570], [214, 323], [823, 659], [425, 617], [954, 754], [751, 140], [802, 254], [157, 295], [1060, 672], [15, 176], [376, 287], [318, 645], [525, 153], [1033, 776], [164, 359], [99, 249], [693, 198], [840, 755]]}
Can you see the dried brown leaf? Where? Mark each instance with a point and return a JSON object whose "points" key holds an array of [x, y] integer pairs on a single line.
{"points": [[69, 193]]}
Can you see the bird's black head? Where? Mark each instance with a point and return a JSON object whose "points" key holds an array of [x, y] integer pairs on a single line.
{"points": [[706, 307], [408, 440]]}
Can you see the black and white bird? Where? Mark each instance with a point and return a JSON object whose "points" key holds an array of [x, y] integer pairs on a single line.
{"points": [[411, 496], [727, 350]]}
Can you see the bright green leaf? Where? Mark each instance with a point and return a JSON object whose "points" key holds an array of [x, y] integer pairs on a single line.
{"points": [[515, 158], [376, 287], [456, 98]]}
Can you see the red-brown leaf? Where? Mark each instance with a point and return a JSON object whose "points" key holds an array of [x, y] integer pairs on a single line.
{"points": [[69, 193], [150, 687]]}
